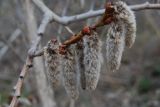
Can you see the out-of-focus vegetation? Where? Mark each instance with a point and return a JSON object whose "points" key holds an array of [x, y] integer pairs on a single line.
{"points": [[136, 84]]}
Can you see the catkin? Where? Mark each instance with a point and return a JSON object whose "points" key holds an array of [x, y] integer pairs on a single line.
{"points": [[81, 67], [125, 14], [92, 60], [52, 62], [121, 33], [115, 45], [69, 73]]}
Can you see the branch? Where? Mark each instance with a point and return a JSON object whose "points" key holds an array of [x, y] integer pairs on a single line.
{"points": [[18, 86], [145, 6], [28, 64], [29, 61], [65, 20], [13, 37], [7, 46], [69, 30]]}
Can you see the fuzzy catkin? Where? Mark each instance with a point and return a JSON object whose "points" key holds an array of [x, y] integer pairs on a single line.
{"points": [[52, 62], [70, 73], [121, 33], [125, 14], [81, 67], [92, 60], [115, 45]]}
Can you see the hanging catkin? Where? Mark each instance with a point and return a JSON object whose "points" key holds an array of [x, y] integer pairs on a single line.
{"points": [[115, 45], [81, 67], [92, 60], [69, 73], [125, 14], [121, 32], [52, 62]]}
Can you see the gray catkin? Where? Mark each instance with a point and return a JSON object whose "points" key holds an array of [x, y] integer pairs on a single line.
{"points": [[125, 14], [81, 67], [52, 62], [121, 33], [115, 45], [92, 60], [69, 73]]}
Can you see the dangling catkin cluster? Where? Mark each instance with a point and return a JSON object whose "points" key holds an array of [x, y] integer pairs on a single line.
{"points": [[69, 73], [52, 62], [84, 57], [125, 14], [92, 60], [121, 33]]}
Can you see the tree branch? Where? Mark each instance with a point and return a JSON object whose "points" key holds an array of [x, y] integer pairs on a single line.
{"points": [[18, 86], [145, 6], [13, 37], [28, 64], [65, 20]]}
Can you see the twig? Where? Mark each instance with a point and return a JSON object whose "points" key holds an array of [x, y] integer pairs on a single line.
{"points": [[28, 64], [69, 30], [38, 53], [7, 46], [29, 61], [18, 86], [45, 93], [13, 37], [145, 6], [74, 39], [65, 20]]}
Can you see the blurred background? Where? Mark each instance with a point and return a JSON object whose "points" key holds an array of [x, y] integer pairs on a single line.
{"points": [[136, 84]]}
